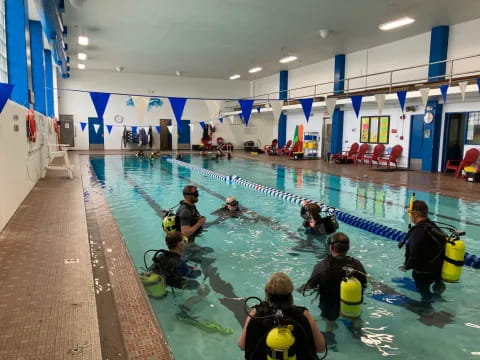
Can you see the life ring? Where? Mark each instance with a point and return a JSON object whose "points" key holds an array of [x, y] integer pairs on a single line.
{"points": [[31, 126]]}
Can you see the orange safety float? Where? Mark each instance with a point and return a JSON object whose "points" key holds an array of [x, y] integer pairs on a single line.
{"points": [[31, 126]]}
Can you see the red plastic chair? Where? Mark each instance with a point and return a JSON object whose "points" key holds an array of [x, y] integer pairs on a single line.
{"points": [[394, 155], [377, 153], [344, 155], [285, 150], [271, 149], [359, 155], [470, 158]]}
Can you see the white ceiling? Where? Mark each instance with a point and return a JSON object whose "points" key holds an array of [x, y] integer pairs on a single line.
{"points": [[218, 38]]}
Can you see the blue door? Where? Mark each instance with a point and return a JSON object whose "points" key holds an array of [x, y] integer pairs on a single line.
{"points": [[416, 142], [184, 135], [95, 133]]}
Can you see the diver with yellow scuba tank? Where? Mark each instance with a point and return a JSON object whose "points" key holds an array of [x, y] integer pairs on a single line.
{"points": [[433, 256]]}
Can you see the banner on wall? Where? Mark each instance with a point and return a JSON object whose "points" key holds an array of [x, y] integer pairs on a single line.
{"points": [[109, 128], [158, 128], [178, 105], [380, 98], [140, 104], [331, 103], [365, 129], [402, 97], [463, 88], [5, 91], [384, 127], [246, 106], [444, 90], [276, 106], [373, 129], [307, 107], [83, 125], [100, 101], [424, 93], [356, 103]]}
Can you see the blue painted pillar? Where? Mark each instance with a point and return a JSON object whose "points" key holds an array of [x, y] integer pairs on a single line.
{"points": [[337, 131], [16, 19], [38, 67], [282, 122], [49, 83], [339, 74], [431, 137], [438, 52]]}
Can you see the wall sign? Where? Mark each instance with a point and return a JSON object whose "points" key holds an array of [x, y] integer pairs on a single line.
{"points": [[374, 129]]}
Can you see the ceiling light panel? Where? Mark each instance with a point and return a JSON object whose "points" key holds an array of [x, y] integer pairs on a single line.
{"points": [[396, 23], [288, 59]]}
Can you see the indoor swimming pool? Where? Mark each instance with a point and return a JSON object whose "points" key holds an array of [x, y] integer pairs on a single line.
{"points": [[247, 250]]}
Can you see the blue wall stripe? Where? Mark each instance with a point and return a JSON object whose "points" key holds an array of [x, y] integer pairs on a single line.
{"points": [[339, 74], [49, 83], [438, 52], [282, 122], [337, 131], [38, 66], [431, 145], [16, 15]]}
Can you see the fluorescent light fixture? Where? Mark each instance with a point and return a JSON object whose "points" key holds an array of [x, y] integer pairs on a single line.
{"points": [[83, 40], [82, 56], [288, 59], [255, 69], [235, 77], [396, 23], [81, 66]]}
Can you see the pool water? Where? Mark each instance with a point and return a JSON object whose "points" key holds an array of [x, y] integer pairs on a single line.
{"points": [[247, 251]]}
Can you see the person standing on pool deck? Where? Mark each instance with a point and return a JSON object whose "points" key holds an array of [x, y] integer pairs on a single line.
{"points": [[189, 220]]}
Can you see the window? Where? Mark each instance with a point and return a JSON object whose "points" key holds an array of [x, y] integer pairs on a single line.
{"points": [[374, 129], [473, 128], [3, 45]]}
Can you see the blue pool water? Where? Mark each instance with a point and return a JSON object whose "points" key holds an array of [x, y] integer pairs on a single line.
{"points": [[247, 252]]}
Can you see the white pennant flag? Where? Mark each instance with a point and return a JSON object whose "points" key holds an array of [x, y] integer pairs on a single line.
{"points": [[192, 126], [277, 106], [425, 92], [380, 98], [213, 107], [231, 119], [96, 127], [331, 103], [463, 88], [140, 104], [170, 128]]}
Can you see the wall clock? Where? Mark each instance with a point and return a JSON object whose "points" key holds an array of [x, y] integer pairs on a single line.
{"points": [[428, 117], [118, 119]]}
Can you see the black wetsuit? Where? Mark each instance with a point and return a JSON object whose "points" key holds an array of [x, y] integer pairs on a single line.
{"points": [[258, 329], [424, 255], [176, 271], [187, 215], [324, 225], [326, 277]]}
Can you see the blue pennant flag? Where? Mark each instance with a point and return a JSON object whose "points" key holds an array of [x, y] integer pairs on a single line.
{"points": [[478, 84], [100, 101], [402, 97], [82, 125], [134, 130], [5, 91], [240, 116], [258, 109], [202, 124], [307, 107], [246, 106], [109, 128], [178, 104], [221, 120], [158, 129], [443, 90], [356, 103]]}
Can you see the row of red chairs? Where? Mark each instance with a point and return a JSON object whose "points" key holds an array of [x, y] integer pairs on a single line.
{"points": [[358, 153], [287, 149]]}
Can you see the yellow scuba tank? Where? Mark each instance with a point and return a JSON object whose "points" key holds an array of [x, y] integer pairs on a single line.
{"points": [[453, 263], [168, 222], [279, 340], [350, 297]]}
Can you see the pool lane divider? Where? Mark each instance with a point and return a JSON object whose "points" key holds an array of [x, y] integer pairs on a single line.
{"points": [[367, 225]]}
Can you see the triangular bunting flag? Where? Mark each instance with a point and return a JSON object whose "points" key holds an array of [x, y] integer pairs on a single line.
{"points": [[424, 93], [82, 125], [402, 97], [307, 107], [100, 101], [178, 104], [277, 106], [5, 91], [96, 127], [192, 126], [213, 107], [109, 128], [331, 103], [258, 109], [158, 128], [443, 90], [463, 88], [232, 119], [356, 103], [170, 128], [202, 124], [246, 106], [134, 130], [478, 84], [221, 120], [240, 116], [380, 98], [140, 104]]}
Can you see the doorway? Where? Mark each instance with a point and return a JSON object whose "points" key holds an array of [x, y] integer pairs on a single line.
{"points": [[184, 135], [67, 130], [95, 133], [416, 142], [326, 136], [454, 138], [165, 136]]}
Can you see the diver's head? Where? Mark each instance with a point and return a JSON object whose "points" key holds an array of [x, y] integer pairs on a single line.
{"points": [[278, 289], [175, 241], [313, 211], [419, 211], [190, 194], [339, 244], [232, 203]]}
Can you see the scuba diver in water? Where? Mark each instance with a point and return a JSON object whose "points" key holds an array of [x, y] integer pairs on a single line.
{"points": [[314, 223], [188, 220], [277, 329]]}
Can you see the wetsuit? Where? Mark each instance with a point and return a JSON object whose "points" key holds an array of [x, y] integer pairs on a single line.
{"points": [[187, 215], [424, 255], [326, 277], [324, 225], [176, 271], [258, 329]]}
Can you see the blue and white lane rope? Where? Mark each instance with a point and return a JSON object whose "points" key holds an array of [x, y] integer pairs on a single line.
{"points": [[370, 226]]}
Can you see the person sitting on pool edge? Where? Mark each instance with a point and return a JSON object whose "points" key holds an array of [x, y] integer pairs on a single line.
{"points": [[314, 223]]}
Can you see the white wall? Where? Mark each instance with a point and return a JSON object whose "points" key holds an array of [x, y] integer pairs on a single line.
{"points": [[80, 106], [21, 161], [266, 85], [464, 41], [318, 73]]}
